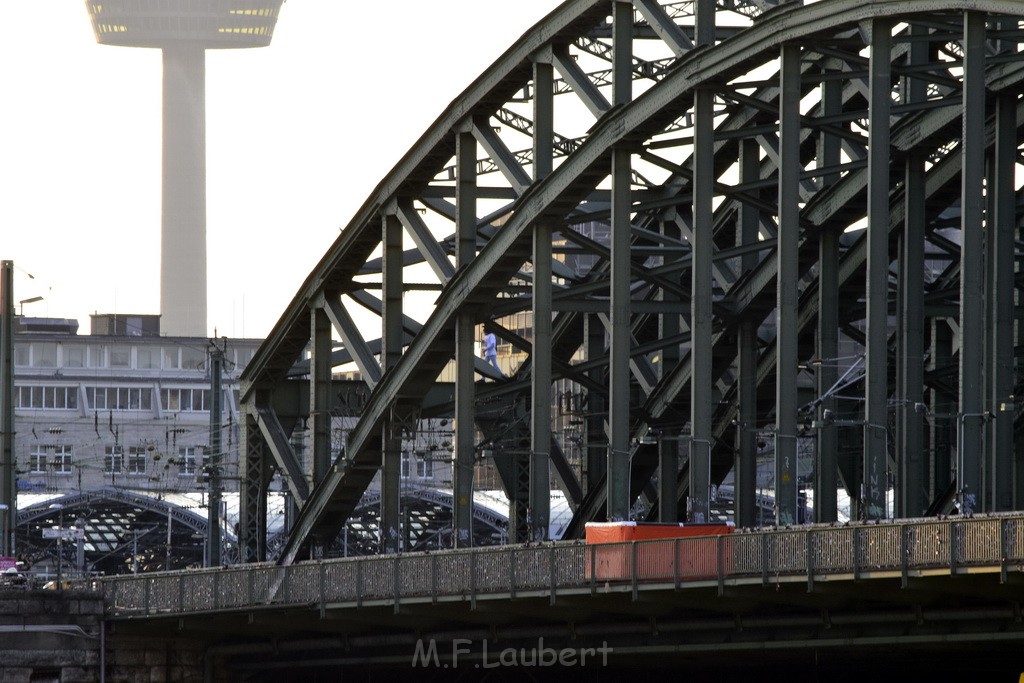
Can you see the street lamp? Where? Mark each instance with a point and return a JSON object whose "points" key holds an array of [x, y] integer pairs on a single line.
{"points": [[30, 300], [60, 544]]}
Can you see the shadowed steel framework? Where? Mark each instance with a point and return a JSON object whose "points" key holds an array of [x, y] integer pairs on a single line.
{"points": [[809, 218]]}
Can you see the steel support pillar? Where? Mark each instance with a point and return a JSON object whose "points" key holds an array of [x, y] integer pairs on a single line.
{"points": [[8, 471], [391, 336], [972, 267], [465, 357], [912, 490], [876, 442], [668, 441], [252, 510], [826, 468], [701, 316], [320, 366], [698, 508], [214, 540], [618, 382], [540, 360], [942, 431], [596, 420], [1001, 232], [787, 305]]}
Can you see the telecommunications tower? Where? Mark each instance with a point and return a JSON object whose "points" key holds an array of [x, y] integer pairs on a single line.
{"points": [[184, 30]]}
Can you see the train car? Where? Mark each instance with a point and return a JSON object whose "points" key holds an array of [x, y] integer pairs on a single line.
{"points": [[660, 552]]}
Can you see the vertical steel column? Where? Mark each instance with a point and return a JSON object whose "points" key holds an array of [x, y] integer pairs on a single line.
{"points": [[8, 476], [972, 265], [465, 391], [876, 364], [912, 492], [912, 489], [788, 292], [1001, 235], [668, 442], [943, 424], [391, 351], [702, 250], [320, 365], [540, 412], [213, 530], [597, 404], [826, 480], [252, 518], [617, 481]]}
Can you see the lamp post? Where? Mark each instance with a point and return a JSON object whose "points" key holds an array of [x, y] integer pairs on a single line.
{"points": [[60, 544], [30, 300]]}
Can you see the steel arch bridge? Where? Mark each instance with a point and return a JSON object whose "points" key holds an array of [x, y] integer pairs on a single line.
{"points": [[720, 224]]}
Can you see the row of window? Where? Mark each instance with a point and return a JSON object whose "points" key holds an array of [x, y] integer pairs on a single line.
{"points": [[58, 459], [424, 466], [112, 398], [140, 357]]}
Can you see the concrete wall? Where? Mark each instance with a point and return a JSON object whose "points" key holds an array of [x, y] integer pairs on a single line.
{"points": [[48, 636]]}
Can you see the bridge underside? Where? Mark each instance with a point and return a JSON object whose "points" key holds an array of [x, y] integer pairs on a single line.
{"points": [[725, 243], [935, 627]]}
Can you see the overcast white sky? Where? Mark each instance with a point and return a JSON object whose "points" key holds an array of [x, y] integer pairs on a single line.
{"points": [[298, 134]]}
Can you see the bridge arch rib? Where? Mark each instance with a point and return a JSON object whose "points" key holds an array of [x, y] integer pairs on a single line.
{"points": [[769, 184]]}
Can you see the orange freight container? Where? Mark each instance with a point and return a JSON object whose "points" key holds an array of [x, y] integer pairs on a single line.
{"points": [[659, 556]]}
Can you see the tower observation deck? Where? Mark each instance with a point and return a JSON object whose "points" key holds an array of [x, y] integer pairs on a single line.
{"points": [[184, 30]]}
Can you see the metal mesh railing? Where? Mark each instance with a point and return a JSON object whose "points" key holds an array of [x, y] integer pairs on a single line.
{"points": [[995, 541]]}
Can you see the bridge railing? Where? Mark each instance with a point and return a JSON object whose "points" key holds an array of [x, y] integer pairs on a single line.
{"points": [[952, 545]]}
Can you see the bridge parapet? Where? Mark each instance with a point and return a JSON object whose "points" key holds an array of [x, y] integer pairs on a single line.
{"points": [[901, 549]]}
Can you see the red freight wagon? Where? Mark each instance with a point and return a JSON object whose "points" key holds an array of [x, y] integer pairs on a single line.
{"points": [[659, 557]]}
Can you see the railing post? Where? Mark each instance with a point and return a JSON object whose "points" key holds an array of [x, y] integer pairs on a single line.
{"points": [[551, 570], [634, 553], [512, 573], [398, 590], [721, 570], [856, 553], [810, 561], [905, 555], [216, 589], [1003, 526], [472, 580], [764, 558], [433, 579], [181, 592], [952, 547], [145, 595], [359, 582], [250, 587], [592, 558], [322, 580], [675, 563]]}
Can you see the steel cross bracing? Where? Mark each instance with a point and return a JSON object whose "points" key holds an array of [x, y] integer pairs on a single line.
{"points": [[804, 160]]}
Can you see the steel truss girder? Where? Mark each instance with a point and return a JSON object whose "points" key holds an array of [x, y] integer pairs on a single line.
{"points": [[473, 288]]}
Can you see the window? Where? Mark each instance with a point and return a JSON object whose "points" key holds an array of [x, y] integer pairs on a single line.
{"points": [[44, 355], [424, 467], [147, 358], [21, 354], [61, 460], [171, 361], [119, 398], [97, 356], [185, 400], [37, 459], [193, 359], [136, 460], [47, 398], [113, 460], [74, 356], [405, 464], [187, 461], [120, 356]]}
